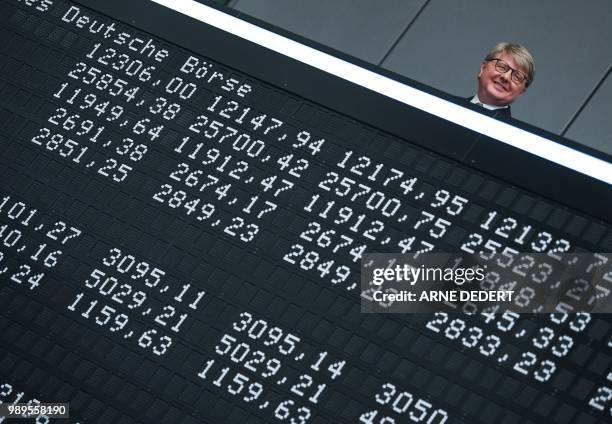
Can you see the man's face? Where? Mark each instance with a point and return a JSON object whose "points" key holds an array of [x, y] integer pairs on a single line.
{"points": [[498, 89]]}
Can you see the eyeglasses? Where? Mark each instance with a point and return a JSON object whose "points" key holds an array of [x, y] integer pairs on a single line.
{"points": [[502, 67]]}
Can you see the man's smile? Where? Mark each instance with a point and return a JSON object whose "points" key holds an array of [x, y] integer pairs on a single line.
{"points": [[500, 86]]}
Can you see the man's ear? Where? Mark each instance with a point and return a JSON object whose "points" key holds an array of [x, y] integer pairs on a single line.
{"points": [[482, 65]]}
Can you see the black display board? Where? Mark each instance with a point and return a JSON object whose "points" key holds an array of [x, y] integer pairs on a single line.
{"points": [[182, 218]]}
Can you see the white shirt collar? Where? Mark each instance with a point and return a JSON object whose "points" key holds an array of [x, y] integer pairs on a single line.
{"points": [[476, 100]]}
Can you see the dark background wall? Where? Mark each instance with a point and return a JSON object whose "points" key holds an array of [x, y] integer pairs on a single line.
{"points": [[442, 42]]}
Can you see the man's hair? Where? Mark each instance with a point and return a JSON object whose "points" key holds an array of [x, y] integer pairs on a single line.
{"points": [[520, 54]]}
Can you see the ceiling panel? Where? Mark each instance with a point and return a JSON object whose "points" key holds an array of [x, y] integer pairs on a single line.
{"points": [[362, 28], [593, 126]]}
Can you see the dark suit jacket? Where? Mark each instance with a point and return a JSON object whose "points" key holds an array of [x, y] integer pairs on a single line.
{"points": [[505, 112]]}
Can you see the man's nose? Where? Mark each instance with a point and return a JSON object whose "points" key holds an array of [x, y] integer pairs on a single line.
{"points": [[506, 75]]}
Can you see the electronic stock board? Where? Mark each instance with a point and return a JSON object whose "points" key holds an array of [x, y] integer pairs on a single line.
{"points": [[185, 198]]}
